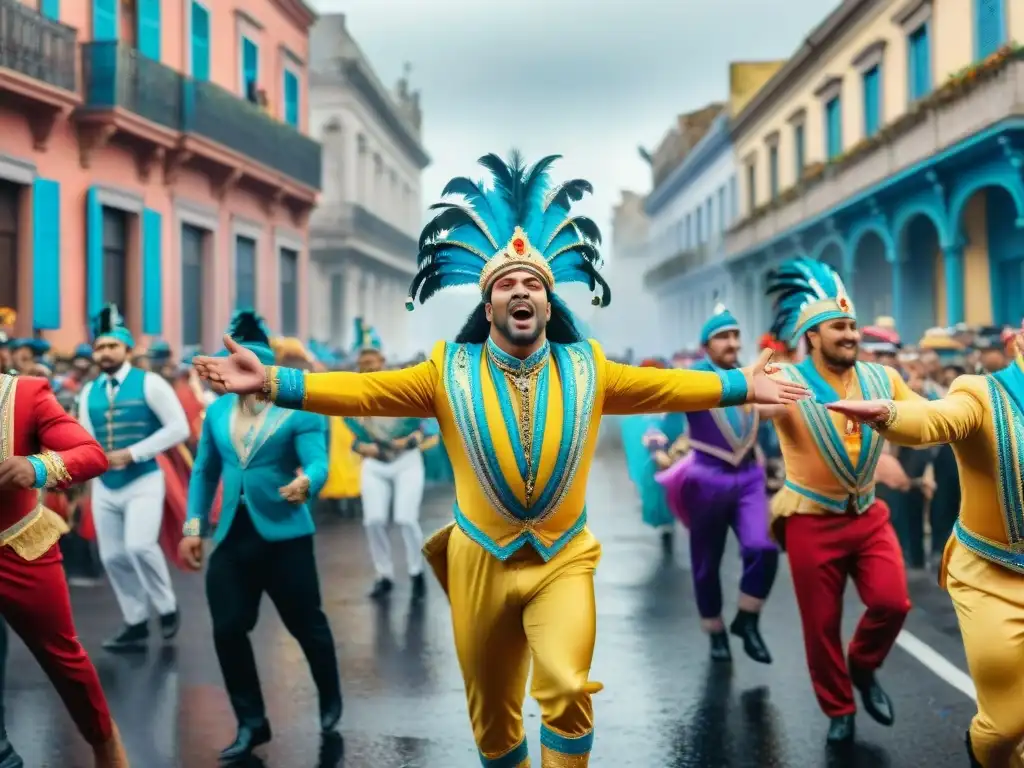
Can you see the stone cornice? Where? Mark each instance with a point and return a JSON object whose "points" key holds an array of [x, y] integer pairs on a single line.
{"points": [[297, 12]]}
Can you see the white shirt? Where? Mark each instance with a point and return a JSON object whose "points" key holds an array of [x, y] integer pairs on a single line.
{"points": [[161, 399]]}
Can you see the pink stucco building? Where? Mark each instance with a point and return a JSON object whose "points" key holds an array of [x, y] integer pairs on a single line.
{"points": [[153, 153]]}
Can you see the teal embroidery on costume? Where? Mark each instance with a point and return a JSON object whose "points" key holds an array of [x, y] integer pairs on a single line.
{"points": [[737, 423], [464, 387], [291, 388], [855, 478], [1006, 392], [378, 429], [526, 537], [513, 759], [734, 387], [994, 551], [566, 745]]}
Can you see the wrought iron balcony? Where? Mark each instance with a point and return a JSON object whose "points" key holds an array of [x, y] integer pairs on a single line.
{"points": [[221, 116], [335, 224], [116, 76], [682, 262], [36, 46], [120, 77]]}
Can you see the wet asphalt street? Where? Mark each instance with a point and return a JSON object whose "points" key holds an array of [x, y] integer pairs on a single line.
{"points": [[664, 705]]}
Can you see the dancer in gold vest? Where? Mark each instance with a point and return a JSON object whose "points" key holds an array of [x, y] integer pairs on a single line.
{"points": [[983, 562], [519, 397]]}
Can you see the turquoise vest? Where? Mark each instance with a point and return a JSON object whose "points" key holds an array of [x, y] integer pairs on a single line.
{"points": [[123, 423]]}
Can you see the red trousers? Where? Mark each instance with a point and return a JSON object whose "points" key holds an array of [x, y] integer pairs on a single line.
{"points": [[823, 551], [35, 602]]}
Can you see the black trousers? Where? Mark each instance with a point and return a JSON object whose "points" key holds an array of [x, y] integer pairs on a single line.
{"points": [[244, 566]]}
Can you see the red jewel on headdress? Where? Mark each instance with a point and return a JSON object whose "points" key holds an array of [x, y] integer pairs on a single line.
{"points": [[844, 304], [519, 246]]}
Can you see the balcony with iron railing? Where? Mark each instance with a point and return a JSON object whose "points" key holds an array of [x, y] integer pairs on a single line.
{"points": [[341, 227], [38, 67], [682, 262], [118, 78]]}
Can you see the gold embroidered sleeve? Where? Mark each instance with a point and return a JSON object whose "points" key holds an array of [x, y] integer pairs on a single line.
{"points": [[56, 471]]}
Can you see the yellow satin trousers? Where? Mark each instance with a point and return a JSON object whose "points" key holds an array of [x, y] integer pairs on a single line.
{"points": [[506, 614], [989, 602]]}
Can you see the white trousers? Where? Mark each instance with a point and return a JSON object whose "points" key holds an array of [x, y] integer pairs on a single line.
{"points": [[128, 536], [398, 483]]}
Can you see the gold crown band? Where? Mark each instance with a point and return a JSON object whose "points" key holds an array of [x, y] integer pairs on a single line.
{"points": [[517, 254], [840, 304]]}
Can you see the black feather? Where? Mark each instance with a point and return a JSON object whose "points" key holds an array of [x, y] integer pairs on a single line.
{"points": [[587, 228], [571, 192], [247, 328]]}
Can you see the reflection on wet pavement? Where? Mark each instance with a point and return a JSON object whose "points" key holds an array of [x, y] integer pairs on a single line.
{"points": [[664, 705]]}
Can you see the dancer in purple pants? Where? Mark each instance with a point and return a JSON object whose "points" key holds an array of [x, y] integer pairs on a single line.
{"points": [[721, 485]]}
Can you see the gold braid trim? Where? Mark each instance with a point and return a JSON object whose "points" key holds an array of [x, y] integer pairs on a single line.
{"points": [[551, 759], [33, 535], [56, 470]]}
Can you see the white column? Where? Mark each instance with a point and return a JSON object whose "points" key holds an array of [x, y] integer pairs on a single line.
{"points": [[353, 279], [384, 314], [369, 295], [319, 292]]}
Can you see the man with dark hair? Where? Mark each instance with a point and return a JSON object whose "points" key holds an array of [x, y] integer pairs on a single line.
{"points": [[46, 448], [826, 515], [722, 486], [521, 394]]}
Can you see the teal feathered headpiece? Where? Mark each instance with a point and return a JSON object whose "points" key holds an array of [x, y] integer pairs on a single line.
{"points": [[521, 222], [109, 324], [807, 293], [366, 338], [248, 329]]}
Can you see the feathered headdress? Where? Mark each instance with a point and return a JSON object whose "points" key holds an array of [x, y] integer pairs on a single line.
{"points": [[365, 338], [109, 323], [721, 321], [521, 222], [807, 292], [248, 329]]}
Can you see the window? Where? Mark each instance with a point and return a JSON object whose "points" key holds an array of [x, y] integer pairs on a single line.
{"points": [[734, 200], [773, 170], [51, 10], [751, 187], [245, 273], [872, 101], [115, 258], [250, 69], [200, 42], [989, 27], [833, 128], [699, 214], [193, 242], [10, 195], [337, 309], [799, 150], [919, 70], [721, 208], [289, 292], [291, 99], [688, 237], [709, 218]]}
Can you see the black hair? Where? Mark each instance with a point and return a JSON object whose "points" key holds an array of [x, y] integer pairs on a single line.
{"points": [[561, 328]]}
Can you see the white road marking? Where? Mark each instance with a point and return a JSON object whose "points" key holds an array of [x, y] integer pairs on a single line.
{"points": [[938, 664]]}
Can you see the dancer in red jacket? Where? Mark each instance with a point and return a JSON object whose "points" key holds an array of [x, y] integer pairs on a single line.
{"points": [[42, 447]]}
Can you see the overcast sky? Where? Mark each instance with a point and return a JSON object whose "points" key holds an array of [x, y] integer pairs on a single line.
{"points": [[588, 79]]}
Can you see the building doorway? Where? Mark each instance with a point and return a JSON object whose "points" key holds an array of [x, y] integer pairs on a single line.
{"points": [[10, 205], [115, 259], [193, 247]]}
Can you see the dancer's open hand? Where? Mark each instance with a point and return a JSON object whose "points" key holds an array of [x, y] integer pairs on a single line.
{"points": [[871, 412], [241, 372], [762, 389]]}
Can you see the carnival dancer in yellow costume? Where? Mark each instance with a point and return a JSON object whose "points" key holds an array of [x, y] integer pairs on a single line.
{"points": [[519, 397], [983, 562], [826, 515]]}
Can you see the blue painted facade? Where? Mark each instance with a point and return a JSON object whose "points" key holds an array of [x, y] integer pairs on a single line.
{"points": [[887, 240]]}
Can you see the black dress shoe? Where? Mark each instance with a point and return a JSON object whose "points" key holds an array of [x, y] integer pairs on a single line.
{"points": [[170, 623], [381, 588], [419, 586], [133, 637], [744, 626], [246, 741], [841, 730], [330, 716], [974, 762], [875, 700], [9, 758], [667, 543], [720, 647]]}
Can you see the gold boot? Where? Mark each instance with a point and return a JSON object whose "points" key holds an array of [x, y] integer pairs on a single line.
{"points": [[111, 754], [551, 759]]}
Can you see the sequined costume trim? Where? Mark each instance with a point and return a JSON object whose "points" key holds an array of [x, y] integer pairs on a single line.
{"points": [[517, 757], [561, 751]]}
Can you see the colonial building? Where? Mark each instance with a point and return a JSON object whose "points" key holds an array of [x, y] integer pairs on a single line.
{"points": [[628, 324], [364, 234], [154, 155], [865, 152]]}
